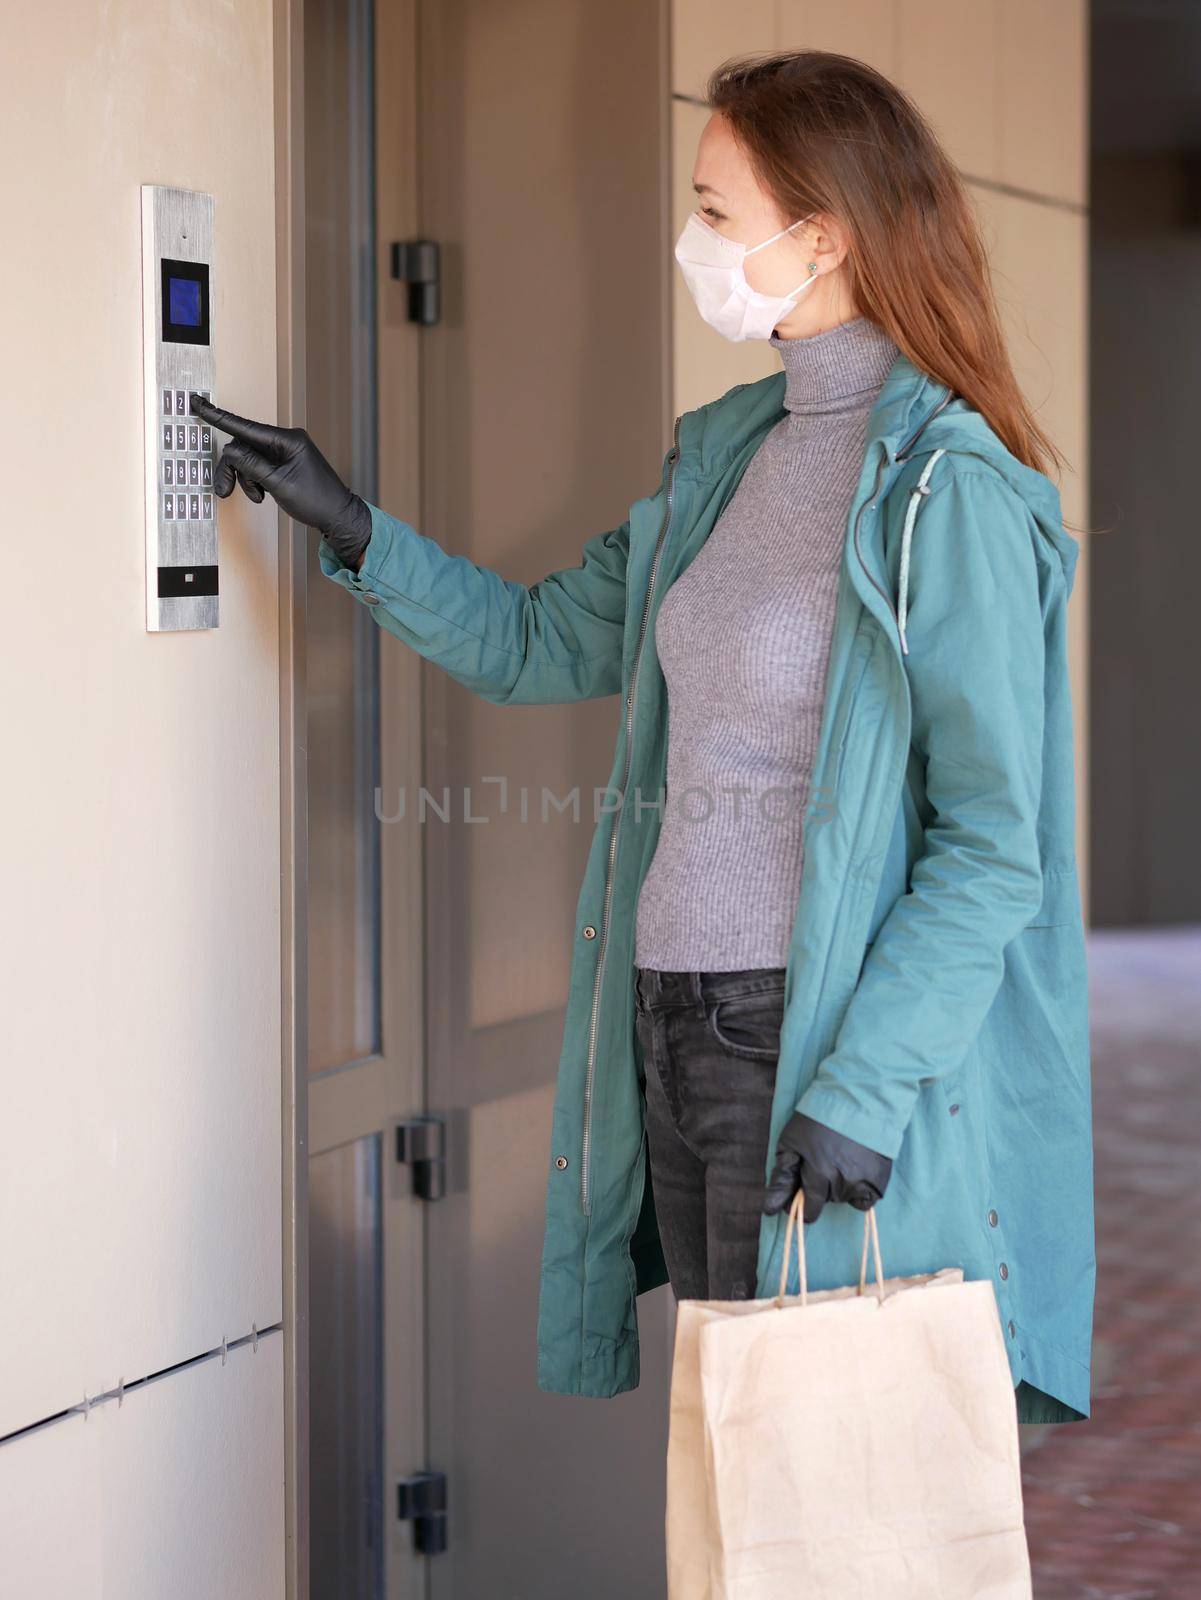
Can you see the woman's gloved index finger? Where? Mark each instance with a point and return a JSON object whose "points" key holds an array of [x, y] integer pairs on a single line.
{"points": [[262, 435]]}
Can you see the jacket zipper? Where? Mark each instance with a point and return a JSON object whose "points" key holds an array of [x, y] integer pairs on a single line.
{"points": [[608, 896], [858, 517], [900, 456]]}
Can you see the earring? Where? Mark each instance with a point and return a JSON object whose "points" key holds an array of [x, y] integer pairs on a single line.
{"points": [[813, 266]]}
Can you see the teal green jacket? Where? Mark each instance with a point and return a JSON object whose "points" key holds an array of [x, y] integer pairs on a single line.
{"points": [[936, 991]]}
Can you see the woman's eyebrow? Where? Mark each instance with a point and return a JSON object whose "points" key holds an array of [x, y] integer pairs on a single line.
{"points": [[707, 188]]}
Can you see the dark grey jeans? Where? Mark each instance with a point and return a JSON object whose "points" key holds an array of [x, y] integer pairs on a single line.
{"points": [[710, 1043]]}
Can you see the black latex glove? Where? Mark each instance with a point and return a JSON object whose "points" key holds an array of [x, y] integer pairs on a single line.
{"points": [[827, 1166], [286, 464]]}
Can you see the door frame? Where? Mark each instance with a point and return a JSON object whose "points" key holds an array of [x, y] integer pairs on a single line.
{"points": [[372, 1095], [288, 75]]}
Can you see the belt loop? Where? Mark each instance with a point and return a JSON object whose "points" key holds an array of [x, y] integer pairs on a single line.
{"points": [[696, 984]]}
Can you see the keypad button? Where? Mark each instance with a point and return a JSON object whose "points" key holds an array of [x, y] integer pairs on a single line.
{"points": [[194, 507], [168, 402], [206, 506], [181, 436], [206, 439], [193, 471], [168, 436], [181, 472], [181, 508], [194, 437], [206, 474], [169, 508], [168, 472], [204, 394], [181, 402]]}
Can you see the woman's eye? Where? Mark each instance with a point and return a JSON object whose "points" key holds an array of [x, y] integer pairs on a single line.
{"points": [[715, 215]]}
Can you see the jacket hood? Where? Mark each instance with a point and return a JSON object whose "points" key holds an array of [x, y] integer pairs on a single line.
{"points": [[914, 415], [947, 422]]}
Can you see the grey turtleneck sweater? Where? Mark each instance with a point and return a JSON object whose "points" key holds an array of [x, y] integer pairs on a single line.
{"points": [[743, 637]]}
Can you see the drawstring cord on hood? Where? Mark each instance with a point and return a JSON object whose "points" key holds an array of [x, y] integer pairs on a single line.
{"points": [[916, 494]]}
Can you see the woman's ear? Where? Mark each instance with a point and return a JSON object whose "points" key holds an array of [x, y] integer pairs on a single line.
{"points": [[829, 240]]}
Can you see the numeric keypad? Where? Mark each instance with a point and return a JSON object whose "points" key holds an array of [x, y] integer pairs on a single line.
{"points": [[185, 461]]}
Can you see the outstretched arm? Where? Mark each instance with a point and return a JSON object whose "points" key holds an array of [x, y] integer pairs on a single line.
{"points": [[557, 640], [550, 642]]}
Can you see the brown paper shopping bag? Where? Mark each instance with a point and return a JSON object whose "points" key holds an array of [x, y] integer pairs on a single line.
{"points": [[845, 1445]]}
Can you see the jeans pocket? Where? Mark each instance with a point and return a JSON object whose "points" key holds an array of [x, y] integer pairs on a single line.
{"points": [[748, 1025]]}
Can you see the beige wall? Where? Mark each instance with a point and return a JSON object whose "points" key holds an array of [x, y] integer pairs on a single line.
{"points": [[1004, 83], [140, 1025]]}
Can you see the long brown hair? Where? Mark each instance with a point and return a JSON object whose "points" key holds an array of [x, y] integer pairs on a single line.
{"points": [[824, 132]]}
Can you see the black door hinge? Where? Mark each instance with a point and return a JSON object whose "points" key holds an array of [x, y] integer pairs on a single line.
{"points": [[421, 1500], [421, 1143], [417, 262]]}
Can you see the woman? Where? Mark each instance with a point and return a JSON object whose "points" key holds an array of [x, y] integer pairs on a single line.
{"points": [[847, 953]]}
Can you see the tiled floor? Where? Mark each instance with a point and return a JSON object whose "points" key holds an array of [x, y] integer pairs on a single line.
{"points": [[1113, 1505]]}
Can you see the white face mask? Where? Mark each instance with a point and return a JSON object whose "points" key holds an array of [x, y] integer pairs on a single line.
{"points": [[712, 267]]}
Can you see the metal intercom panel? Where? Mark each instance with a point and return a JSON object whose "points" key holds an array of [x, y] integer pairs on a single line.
{"points": [[177, 350]]}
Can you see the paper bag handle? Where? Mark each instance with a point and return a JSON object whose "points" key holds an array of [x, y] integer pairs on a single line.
{"points": [[795, 1221]]}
